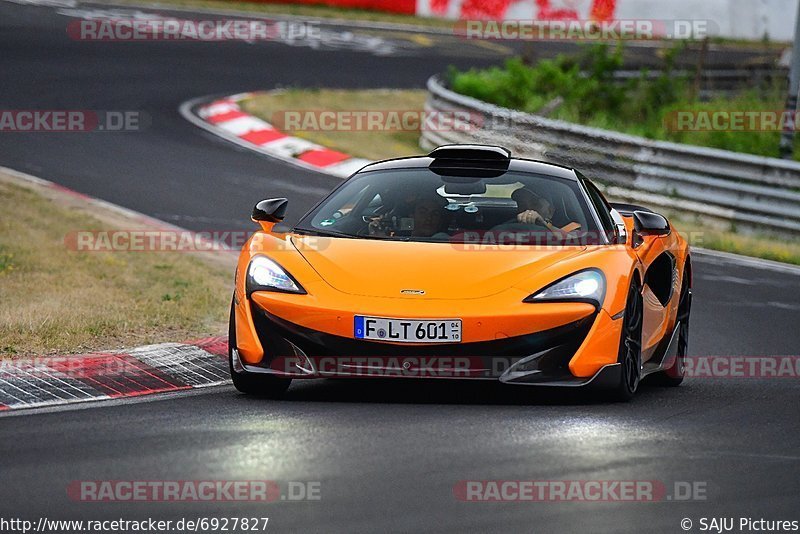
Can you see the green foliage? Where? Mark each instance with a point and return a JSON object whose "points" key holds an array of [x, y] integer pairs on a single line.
{"points": [[6, 261], [640, 106]]}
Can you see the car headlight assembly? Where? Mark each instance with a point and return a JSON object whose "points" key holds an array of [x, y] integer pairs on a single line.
{"points": [[583, 286], [263, 274]]}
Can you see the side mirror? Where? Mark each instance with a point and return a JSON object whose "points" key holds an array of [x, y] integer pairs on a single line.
{"points": [[649, 223], [269, 212]]}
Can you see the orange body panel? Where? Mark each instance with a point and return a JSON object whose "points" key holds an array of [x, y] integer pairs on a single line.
{"points": [[600, 348]]}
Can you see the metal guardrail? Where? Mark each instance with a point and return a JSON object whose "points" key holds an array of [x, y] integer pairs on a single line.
{"points": [[716, 80], [748, 192]]}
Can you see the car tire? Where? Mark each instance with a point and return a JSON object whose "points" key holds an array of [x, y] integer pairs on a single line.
{"points": [[674, 376], [261, 385], [630, 347]]}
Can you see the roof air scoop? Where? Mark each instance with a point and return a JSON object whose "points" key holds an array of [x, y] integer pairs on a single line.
{"points": [[473, 152]]}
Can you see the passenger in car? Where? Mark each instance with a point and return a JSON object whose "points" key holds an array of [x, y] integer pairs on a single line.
{"points": [[535, 209]]}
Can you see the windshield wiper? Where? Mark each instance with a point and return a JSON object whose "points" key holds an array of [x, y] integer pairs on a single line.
{"points": [[330, 233], [324, 233]]}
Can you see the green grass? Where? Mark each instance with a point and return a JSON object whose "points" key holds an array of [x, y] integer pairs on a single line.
{"points": [[365, 144], [715, 237], [57, 300], [756, 246]]}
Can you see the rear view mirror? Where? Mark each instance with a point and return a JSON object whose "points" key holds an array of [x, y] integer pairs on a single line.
{"points": [[470, 188], [649, 223]]}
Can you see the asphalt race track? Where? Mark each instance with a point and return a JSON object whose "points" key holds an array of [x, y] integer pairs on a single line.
{"points": [[387, 455]]}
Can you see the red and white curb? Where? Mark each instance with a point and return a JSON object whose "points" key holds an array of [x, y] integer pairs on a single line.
{"points": [[224, 117], [165, 367]]}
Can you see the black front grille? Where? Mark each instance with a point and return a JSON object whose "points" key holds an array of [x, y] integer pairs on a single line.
{"points": [[557, 345]]}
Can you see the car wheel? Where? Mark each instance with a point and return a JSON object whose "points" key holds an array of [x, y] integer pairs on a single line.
{"points": [[262, 385], [674, 375], [630, 347]]}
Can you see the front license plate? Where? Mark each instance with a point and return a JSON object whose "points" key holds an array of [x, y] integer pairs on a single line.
{"points": [[408, 330]]}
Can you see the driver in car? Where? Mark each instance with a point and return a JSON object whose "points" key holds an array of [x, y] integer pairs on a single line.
{"points": [[427, 214], [429, 217]]}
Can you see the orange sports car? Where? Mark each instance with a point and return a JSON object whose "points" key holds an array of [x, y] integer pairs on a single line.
{"points": [[462, 264]]}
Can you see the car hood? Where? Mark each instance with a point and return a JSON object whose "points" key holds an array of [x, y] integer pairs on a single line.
{"points": [[443, 271]]}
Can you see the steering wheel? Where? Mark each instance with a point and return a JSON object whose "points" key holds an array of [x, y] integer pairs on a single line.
{"points": [[379, 225]]}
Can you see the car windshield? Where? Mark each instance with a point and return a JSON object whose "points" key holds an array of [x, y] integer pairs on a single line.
{"points": [[418, 204]]}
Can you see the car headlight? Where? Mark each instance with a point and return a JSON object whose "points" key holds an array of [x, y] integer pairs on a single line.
{"points": [[263, 274], [583, 286]]}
